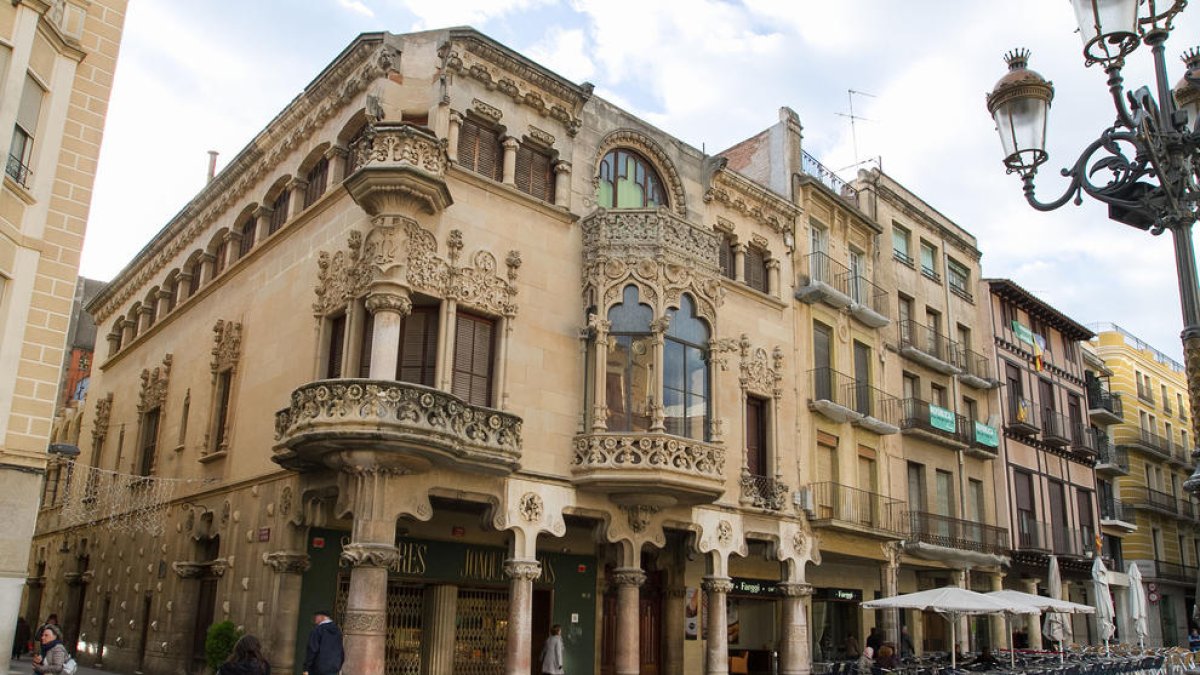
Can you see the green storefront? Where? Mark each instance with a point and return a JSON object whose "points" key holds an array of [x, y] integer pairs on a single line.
{"points": [[474, 574]]}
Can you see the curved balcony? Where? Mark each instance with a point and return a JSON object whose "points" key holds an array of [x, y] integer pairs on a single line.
{"points": [[398, 167], [404, 425], [650, 469]]}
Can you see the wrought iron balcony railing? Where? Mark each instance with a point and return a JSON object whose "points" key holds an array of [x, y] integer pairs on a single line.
{"points": [[810, 166], [1143, 440], [1174, 571], [1153, 500], [1113, 509], [1033, 535], [1055, 428], [976, 368], [834, 504], [929, 347], [18, 171], [1085, 439], [870, 301], [1111, 458], [967, 535], [935, 422], [1103, 404], [1021, 415]]}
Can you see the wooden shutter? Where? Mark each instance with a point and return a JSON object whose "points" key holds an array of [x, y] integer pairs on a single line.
{"points": [[756, 269], [317, 178], [224, 383], [248, 232], [337, 346], [473, 359], [418, 347], [149, 442], [756, 436], [365, 345], [1023, 484], [534, 173], [479, 149]]}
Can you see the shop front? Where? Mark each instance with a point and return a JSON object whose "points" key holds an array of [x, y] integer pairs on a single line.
{"points": [[448, 604], [753, 620], [835, 617]]}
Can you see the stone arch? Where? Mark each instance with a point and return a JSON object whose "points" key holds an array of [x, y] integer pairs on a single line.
{"points": [[654, 153], [276, 188], [310, 160], [353, 126], [217, 239]]}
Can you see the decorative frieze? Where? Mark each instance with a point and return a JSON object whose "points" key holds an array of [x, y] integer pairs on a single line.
{"points": [[370, 555], [101, 420], [525, 570], [740, 194], [154, 386], [364, 622]]}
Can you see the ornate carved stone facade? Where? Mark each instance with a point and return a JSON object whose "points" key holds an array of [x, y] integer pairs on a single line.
{"points": [[154, 385]]}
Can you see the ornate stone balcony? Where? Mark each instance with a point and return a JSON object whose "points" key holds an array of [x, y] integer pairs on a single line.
{"points": [[649, 469], [406, 425], [647, 234], [399, 168]]}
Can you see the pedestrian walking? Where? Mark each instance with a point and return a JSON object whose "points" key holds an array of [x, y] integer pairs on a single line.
{"points": [[51, 620], [54, 654], [324, 655], [552, 652], [246, 659]]}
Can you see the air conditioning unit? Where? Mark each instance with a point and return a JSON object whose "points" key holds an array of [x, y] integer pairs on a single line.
{"points": [[803, 498]]}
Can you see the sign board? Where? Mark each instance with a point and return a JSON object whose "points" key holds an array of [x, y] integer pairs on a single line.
{"points": [[987, 435], [838, 594], [758, 587], [941, 418]]}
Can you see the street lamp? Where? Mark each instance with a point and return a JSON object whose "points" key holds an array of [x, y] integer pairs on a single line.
{"points": [[1145, 167]]}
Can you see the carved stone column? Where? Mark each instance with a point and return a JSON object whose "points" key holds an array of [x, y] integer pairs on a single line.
{"points": [[365, 622], [599, 412], [145, 319], [1033, 624], [127, 330], [657, 411], [456, 120], [183, 285], [673, 630], [628, 657], [208, 267], [520, 614], [562, 184], [997, 623], [289, 568], [337, 163], [164, 302], [739, 262], [889, 574], [437, 641], [773, 276], [794, 657], [509, 177], [298, 188], [447, 334], [262, 228], [389, 310], [114, 340], [717, 589]]}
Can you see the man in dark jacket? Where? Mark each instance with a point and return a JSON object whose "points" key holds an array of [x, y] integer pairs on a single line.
{"points": [[324, 655]]}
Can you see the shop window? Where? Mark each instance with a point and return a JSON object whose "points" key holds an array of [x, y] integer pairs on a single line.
{"points": [[756, 268], [630, 364], [317, 178], [480, 149], [535, 173], [279, 211], [685, 372], [473, 355], [148, 442], [417, 360], [628, 181]]}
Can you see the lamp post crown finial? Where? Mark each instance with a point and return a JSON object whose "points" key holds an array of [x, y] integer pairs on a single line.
{"points": [[1191, 58], [1017, 58]]}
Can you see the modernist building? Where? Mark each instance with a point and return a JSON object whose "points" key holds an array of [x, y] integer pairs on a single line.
{"points": [[56, 69], [1153, 440], [1050, 449]]}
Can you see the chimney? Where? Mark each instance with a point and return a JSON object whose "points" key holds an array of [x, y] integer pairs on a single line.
{"points": [[212, 164]]}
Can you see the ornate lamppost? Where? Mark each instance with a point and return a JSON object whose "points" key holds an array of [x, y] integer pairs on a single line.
{"points": [[1145, 167]]}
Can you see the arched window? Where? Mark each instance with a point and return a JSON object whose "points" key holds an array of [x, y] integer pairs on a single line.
{"points": [[628, 181], [630, 378], [685, 373]]}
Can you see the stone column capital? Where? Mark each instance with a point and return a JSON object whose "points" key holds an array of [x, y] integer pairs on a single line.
{"points": [[287, 562], [297, 184], [790, 589], [263, 211], [628, 576], [511, 143], [456, 117], [365, 554], [163, 294], [562, 166], [338, 150], [389, 302], [525, 570], [717, 584], [187, 569]]}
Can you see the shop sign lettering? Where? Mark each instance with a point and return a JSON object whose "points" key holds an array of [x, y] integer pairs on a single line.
{"points": [[754, 587], [412, 558], [986, 435], [941, 418]]}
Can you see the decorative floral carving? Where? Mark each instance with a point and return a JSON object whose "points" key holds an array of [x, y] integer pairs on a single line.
{"points": [[760, 373], [227, 345], [154, 386], [391, 144], [628, 576], [341, 276], [721, 585], [287, 562], [285, 501], [649, 451], [487, 111], [370, 555], [226, 510], [794, 590], [372, 623], [541, 136], [742, 195], [724, 532], [639, 516], [100, 423], [764, 492], [525, 570], [405, 409], [531, 507], [389, 302]]}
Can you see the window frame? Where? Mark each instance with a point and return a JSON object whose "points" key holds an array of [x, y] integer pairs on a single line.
{"points": [[456, 384], [929, 271], [474, 145], [901, 233], [654, 192]]}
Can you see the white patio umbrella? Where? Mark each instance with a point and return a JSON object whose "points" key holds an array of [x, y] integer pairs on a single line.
{"points": [[952, 603], [1137, 604], [1041, 603], [1056, 624], [1105, 613]]}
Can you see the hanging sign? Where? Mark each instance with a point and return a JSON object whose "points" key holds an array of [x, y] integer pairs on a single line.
{"points": [[987, 435], [941, 418]]}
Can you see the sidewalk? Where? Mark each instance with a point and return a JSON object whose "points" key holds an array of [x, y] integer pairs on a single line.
{"points": [[25, 667]]}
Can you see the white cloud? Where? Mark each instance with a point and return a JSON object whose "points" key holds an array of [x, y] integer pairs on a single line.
{"points": [[566, 52], [357, 7], [444, 13]]}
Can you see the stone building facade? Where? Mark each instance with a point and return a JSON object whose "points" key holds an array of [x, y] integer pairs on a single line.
{"points": [[57, 59]]}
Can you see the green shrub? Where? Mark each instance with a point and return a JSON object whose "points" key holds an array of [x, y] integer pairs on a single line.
{"points": [[219, 642]]}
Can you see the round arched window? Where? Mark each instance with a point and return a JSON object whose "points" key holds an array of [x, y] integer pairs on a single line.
{"points": [[628, 181]]}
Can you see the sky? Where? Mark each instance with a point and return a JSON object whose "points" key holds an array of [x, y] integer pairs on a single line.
{"points": [[195, 76]]}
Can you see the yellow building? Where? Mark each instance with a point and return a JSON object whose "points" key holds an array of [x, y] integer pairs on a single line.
{"points": [[1154, 434], [56, 71]]}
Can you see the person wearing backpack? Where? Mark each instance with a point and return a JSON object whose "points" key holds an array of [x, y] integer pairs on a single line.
{"points": [[54, 659]]}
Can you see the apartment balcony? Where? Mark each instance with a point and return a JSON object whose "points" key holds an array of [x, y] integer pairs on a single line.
{"points": [[976, 369], [18, 171], [399, 168], [1156, 501], [648, 235], [841, 398], [955, 533], [1021, 416], [880, 410], [823, 279], [843, 508], [1173, 572], [1113, 513], [1143, 440], [928, 347], [404, 425], [1056, 428], [1110, 460], [984, 440], [870, 302], [765, 492], [1085, 440], [934, 423], [1104, 407], [648, 468], [1180, 456], [1033, 535], [1072, 541]]}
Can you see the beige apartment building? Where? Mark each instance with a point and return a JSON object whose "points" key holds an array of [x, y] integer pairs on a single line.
{"points": [[56, 69]]}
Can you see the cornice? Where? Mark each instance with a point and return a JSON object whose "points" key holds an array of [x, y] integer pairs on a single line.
{"points": [[906, 207], [473, 42], [731, 189]]}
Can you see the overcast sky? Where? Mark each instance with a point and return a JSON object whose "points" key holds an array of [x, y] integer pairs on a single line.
{"points": [[199, 76]]}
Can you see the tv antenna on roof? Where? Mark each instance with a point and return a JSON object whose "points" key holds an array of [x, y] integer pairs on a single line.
{"points": [[854, 118]]}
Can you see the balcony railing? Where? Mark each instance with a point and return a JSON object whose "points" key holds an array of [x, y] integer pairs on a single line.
{"points": [[18, 171], [1103, 404], [1085, 439], [934, 422], [1033, 535], [929, 347], [956, 533], [1055, 428], [834, 504], [1174, 571], [1154, 500], [976, 368], [1113, 509], [880, 410], [1021, 415], [1109, 457], [823, 279], [810, 166], [842, 398], [985, 439], [870, 301], [1144, 440]]}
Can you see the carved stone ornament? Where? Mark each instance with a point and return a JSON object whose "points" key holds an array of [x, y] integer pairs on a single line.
{"points": [[389, 302], [794, 590], [721, 585], [525, 570], [154, 386], [531, 507], [227, 345], [100, 423], [287, 562], [764, 492], [749, 199], [326, 98], [724, 532], [285, 501], [190, 569], [486, 111], [668, 453], [760, 373], [628, 576], [226, 510], [370, 555], [541, 136], [639, 516], [371, 623]]}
